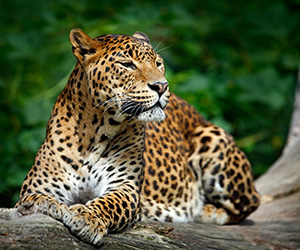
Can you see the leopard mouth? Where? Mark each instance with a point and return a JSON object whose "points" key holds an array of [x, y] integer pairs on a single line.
{"points": [[153, 114], [156, 105], [135, 109], [142, 113]]}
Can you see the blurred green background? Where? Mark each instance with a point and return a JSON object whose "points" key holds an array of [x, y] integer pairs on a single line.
{"points": [[235, 61]]}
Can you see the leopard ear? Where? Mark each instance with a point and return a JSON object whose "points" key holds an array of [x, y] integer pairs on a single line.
{"points": [[142, 36], [83, 45]]}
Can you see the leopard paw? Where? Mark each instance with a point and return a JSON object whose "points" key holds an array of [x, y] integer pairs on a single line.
{"points": [[213, 215], [45, 205], [84, 224]]}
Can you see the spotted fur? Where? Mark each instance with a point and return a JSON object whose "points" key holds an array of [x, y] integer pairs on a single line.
{"points": [[194, 170], [98, 170]]}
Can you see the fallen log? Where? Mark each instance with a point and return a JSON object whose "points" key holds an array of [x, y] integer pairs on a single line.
{"points": [[275, 225]]}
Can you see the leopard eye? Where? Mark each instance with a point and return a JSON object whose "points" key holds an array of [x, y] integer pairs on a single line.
{"points": [[129, 65]]}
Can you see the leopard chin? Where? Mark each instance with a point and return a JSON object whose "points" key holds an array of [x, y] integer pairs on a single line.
{"points": [[156, 114]]}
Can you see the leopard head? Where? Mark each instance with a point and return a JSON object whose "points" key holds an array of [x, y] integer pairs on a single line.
{"points": [[123, 73]]}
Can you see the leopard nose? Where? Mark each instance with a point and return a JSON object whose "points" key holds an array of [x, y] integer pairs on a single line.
{"points": [[159, 87]]}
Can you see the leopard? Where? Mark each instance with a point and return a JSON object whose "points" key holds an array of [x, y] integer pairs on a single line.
{"points": [[120, 147]]}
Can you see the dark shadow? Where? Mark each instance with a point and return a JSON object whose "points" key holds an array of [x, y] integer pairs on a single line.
{"points": [[247, 222]]}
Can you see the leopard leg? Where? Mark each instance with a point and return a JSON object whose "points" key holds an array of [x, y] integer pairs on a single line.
{"points": [[39, 203], [225, 176], [111, 212], [208, 213]]}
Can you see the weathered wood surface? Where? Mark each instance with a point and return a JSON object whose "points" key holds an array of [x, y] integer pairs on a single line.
{"points": [[275, 225]]}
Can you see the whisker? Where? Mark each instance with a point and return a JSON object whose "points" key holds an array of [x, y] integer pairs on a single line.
{"points": [[137, 110], [139, 107], [164, 48], [122, 100], [128, 106], [103, 103], [126, 102], [111, 100], [123, 109], [162, 40], [131, 118]]}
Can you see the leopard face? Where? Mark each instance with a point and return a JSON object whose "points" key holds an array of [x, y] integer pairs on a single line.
{"points": [[124, 73]]}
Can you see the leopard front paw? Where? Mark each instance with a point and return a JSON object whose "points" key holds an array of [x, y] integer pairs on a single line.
{"points": [[213, 215], [84, 224], [45, 205]]}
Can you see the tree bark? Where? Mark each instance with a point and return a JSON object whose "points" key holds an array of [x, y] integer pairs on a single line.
{"points": [[275, 225]]}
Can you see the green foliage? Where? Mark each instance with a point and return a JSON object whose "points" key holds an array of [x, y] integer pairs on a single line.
{"points": [[236, 62]]}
